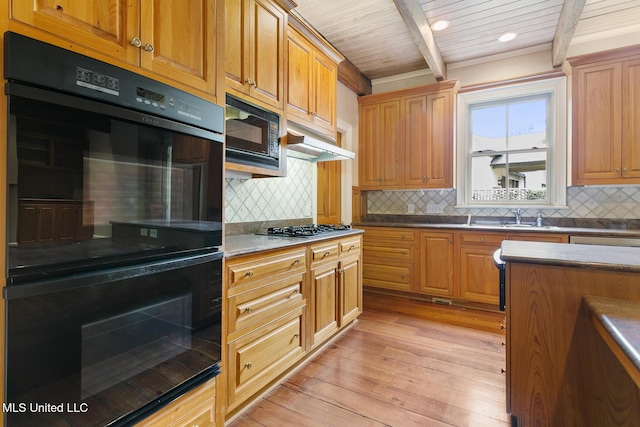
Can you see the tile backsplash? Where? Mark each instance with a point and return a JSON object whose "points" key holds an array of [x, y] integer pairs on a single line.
{"points": [[621, 202], [269, 199]]}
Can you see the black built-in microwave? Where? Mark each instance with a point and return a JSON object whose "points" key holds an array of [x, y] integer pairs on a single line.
{"points": [[252, 134]]}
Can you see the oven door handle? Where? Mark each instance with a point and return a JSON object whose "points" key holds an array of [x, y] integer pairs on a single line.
{"points": [[79, 280]]}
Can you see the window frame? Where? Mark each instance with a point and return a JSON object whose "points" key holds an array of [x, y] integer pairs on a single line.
{"points": [[556, 128]]}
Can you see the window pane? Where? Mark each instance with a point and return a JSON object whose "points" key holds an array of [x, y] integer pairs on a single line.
{"points": [[527, 124], [489, 128]]}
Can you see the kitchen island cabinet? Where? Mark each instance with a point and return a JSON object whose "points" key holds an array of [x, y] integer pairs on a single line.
{"points": [[559, 369], [137, 33]]}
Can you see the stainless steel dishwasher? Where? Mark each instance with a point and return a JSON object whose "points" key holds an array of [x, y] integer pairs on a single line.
{"points": [[606, 241]]}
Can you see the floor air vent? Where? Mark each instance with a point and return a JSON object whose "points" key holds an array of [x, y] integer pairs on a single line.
{"points": [[442, 301]]}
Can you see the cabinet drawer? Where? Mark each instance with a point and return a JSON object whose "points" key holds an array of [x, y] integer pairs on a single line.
{"points": [[482, 238], [386, 276], [388, 252], [405, 235], [263, 304], [265, 267], [259, 357], [324, 252], [540, 237], [350, 246]]}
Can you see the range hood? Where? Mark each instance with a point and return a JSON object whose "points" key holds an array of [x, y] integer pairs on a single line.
{"points": [[304, 143]]}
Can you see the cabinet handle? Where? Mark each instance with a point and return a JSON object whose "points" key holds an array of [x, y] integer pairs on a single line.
{"points": [[249, 273], [503, 343], [296, 336], [314, 114], [351, 247], [326, 254], [248, 365], [503, 371], [294, 293], [402, 276], [249, 309], [482, 239], [502, 326], [136, 42], [148, 47], [297, 261]]}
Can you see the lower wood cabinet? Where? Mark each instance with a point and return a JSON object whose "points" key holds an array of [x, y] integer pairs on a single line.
{"points": [[282, 303], [261, 355], [388, 256], [194, 409], [46, 221], [450, 264], [437, 263]]}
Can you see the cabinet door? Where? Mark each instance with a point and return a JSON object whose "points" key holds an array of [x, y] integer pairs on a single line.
{"points": [[178, 41], [324, 302], [105, 26], [437, 263], [596, 124], [299, 77], [415, 149], [329, 192], [380, 136], [267, 55], [237, 45], [479, 277], [631, 120], [325, 76], [350, 289], [439, 140], [68, 221]]}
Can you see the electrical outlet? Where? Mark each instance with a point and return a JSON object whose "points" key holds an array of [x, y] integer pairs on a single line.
{"points": [[435, 208], [411, 208]]}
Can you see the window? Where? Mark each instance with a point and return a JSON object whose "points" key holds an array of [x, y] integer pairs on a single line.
{"points": [[512, 145]]}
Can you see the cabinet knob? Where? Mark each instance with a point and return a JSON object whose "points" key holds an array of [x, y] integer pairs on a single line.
{"points": [[249, 273], [296, 336], [249, 309], [148, 47], [625, 170], [617, 169], [251, 82], [314, 114], [503, 371], [248, 365], [136, 42]]}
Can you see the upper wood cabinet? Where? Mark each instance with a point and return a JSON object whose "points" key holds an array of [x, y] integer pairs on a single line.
{"points": [[311, 84], [378, 152], [406, 138], [254, 50], [606, 117], [175, 40]]}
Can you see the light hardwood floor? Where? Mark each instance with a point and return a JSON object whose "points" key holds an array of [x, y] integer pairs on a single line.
{"points": [[403, 363]]}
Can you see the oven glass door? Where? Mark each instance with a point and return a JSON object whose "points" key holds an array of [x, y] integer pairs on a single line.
{"points": [[91, 184], [107, 347]]}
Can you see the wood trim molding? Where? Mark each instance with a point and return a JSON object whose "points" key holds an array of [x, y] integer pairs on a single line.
{"points": [[605, 55], [378, 97], [354, 79], [517, 80]]}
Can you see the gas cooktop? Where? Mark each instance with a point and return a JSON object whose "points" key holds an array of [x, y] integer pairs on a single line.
{"points": [[308, 230]]}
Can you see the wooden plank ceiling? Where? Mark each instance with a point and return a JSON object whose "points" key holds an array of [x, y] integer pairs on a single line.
{"points": [[388, 37]]}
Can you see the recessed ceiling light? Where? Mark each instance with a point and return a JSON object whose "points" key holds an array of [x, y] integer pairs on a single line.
{"points": [[440, 25], [507, 37]]}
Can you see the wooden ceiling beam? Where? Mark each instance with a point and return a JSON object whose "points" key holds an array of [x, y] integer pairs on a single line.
{"points": [[418, 26], [353, 78], [567, 23]]}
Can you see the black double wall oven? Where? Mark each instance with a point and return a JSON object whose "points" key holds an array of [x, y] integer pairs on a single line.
{"points": [[114, 238]]}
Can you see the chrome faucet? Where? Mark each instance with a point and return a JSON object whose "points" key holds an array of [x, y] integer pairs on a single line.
{"points": [[518, 215]]}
